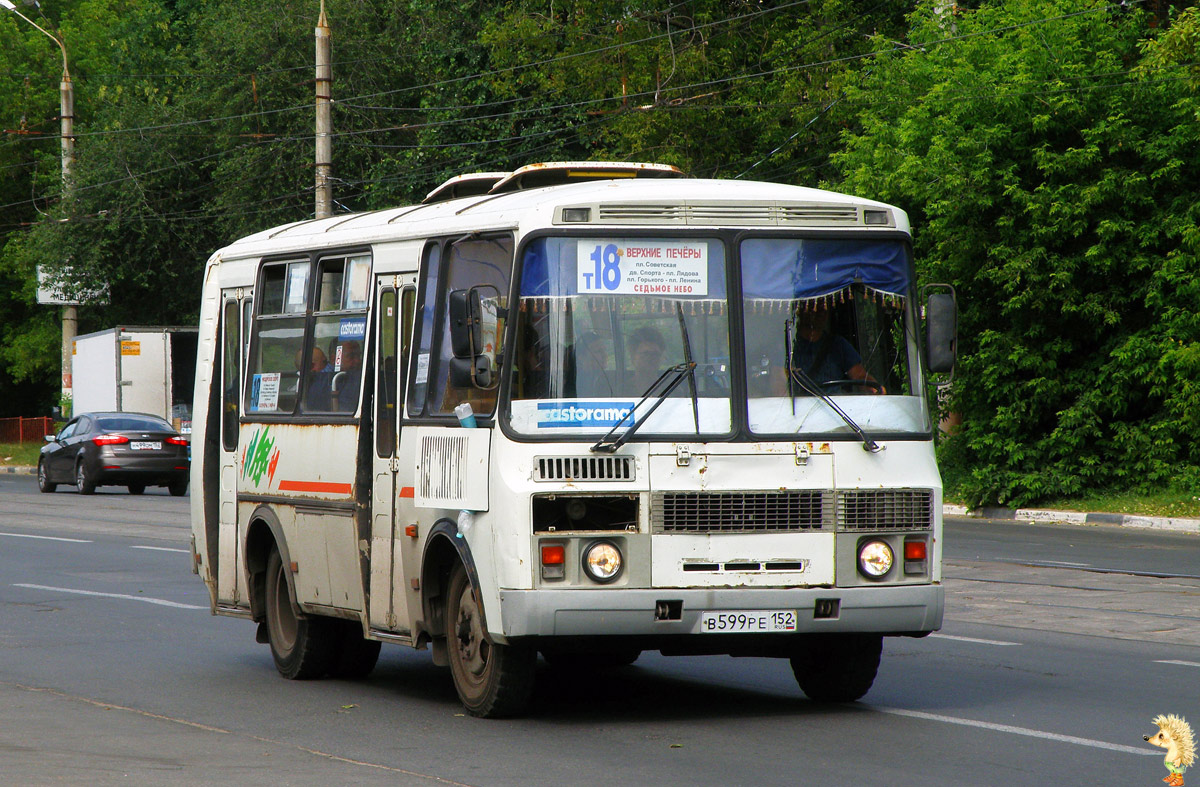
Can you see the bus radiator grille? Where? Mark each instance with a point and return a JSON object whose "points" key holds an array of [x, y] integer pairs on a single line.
{"points": [[885, 509], [741, 512]]}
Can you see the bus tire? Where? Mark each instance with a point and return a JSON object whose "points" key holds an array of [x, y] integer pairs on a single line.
{"points": [[303, 646], [838, 667], [492, 680], [357, 655]]}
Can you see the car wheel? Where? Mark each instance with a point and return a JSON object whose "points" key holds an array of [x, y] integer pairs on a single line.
{"points": [[83, 480], [491, 679], [137, 489], [43, 481], [178, 488], [303, 646]]}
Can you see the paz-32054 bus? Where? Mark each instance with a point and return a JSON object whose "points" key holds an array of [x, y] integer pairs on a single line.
{"points": [[577, 410]]}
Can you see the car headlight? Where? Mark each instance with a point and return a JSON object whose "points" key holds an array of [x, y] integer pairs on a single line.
{"points": [[875, 559], [602, 561]]}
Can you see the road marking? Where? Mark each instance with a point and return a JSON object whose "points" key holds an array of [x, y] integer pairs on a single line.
{"points": [[987, 725], [47, 538], [1180, 663], [162, 549], [974, 640], [123, 596]]}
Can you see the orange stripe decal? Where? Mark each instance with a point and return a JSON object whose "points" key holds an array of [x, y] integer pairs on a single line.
{"points": [[408, 491], [315, 486]]}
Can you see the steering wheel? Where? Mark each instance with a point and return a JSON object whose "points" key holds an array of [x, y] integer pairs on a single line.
{"points": [[852, 383]]}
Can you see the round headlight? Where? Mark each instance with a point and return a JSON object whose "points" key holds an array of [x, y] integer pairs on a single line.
{"points": [[875, 559], [602, 561]]}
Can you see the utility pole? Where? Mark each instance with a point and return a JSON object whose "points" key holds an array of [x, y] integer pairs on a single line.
{"points": [[70, 316], [324, 130]]}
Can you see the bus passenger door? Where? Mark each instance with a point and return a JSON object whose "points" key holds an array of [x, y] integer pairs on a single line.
{"points": [[395, 298], [234, 309]]}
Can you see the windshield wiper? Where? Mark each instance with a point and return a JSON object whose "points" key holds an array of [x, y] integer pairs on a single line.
{"points": [[691, 364], [662, 387], [797, 375]]}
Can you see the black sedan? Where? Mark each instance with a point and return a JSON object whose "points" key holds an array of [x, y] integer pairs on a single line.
{"points": [[115, 449]]}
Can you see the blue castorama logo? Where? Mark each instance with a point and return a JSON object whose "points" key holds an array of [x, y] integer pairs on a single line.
{"points": [[553, 415], [352, 328]]}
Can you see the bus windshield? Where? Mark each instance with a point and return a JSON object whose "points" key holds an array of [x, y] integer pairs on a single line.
{"points": [[600, 320], [830, 340]]}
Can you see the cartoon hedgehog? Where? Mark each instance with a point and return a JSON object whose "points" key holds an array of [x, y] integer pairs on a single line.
{"points": [[1176, 737]]}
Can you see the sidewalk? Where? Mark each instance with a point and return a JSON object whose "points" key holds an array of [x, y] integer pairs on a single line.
{"points": [[1177, 524]]}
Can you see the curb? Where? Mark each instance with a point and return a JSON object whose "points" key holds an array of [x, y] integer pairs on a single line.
{"points": [[1177, 524], [21, 469]]}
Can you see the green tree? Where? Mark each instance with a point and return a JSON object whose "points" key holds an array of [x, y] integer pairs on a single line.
{"points": [[1051, 179]]}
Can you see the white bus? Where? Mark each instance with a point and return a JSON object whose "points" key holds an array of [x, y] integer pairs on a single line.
{"points": [[699, 424]]}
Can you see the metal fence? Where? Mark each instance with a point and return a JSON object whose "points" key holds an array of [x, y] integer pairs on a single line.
{"points": [[25, 430]]}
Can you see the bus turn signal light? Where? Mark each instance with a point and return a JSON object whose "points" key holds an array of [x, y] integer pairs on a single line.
{"points": [[914, 550], [554, 559]]}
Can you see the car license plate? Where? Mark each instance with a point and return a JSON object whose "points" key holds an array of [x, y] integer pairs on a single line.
{"points": [[747, 621], [146, 446]]}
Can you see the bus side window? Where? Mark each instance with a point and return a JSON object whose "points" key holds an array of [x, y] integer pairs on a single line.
{"points": [[276, 361], [485, 263], [231, 379], [385, 393]]}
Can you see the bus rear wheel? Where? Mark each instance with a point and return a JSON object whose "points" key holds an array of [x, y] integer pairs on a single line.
{"points": [[838, 667], [492, 680], [303, 646]]}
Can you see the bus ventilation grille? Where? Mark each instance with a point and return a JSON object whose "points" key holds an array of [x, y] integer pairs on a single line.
{"points": [[885, 509], [719, 215], [741, 512], [583, 468]]}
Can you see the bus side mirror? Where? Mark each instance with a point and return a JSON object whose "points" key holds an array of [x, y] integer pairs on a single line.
{"points": [[941, 331], [466, 317]]}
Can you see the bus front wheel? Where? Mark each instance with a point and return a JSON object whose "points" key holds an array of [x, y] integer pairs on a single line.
{"points": [[492, 680], [838, 667], [303, 646]]}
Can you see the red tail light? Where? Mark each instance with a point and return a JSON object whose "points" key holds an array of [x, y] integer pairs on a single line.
{"points": [[177, 440], [110, 439]]}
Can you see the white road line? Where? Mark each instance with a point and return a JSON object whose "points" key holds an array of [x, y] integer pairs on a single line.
{"points": [[47, 538], [1180, 663], [974, 640], [987, 725], [123, 596], [162, 549]]}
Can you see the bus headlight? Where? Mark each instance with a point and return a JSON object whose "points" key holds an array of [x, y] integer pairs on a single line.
{"points": [[602, 561], [875, 559]]}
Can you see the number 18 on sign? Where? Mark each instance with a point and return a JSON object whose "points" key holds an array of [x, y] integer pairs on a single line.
{"points": [[638, 267]]}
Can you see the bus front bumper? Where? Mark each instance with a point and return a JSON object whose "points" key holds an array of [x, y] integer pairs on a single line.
{"points": [[879, 609]]}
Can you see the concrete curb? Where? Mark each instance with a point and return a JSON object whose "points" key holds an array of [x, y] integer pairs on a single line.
{"points": [[1177, 524], [21, 469]]}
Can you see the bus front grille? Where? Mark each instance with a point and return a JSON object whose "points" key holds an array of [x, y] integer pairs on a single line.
{"points": [[583, 468], [741, 512], [885, 509]]}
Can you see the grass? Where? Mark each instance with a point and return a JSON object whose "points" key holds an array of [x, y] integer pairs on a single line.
{"points": [[17, 454]]}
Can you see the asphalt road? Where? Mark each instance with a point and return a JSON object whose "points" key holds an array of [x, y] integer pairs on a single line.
{"points": [[1060, 644]]}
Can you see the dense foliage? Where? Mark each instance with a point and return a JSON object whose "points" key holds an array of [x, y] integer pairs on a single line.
{"points": [[1044, 150]]}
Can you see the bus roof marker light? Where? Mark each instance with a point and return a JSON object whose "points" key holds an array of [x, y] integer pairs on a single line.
{"points": [[576, 215], [877, 218]]}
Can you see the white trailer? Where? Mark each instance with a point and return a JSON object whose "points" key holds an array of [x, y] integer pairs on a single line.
{"points": [[136, 369]]}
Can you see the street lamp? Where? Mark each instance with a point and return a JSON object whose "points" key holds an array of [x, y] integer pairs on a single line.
{"points": [[70, 317]]}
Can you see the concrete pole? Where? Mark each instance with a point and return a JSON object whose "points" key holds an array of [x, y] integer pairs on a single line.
{"points": [[70, 316], [324, 129]]}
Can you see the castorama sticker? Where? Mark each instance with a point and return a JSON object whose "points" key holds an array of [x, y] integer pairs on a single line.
{"points": [[553, 415]]}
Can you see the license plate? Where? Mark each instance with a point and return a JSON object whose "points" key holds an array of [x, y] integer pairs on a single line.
{"points": [[146, 446], [747, 621]]}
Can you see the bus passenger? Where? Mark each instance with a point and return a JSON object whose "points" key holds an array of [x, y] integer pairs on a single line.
{"points": [[646, 346]]}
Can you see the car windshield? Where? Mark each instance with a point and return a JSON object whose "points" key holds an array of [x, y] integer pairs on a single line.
{"points": [[830, 337], [601, 320], [132, 423]]}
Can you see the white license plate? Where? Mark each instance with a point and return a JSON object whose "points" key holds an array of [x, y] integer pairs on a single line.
{"points": [[146, 446], [747, 621]]}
